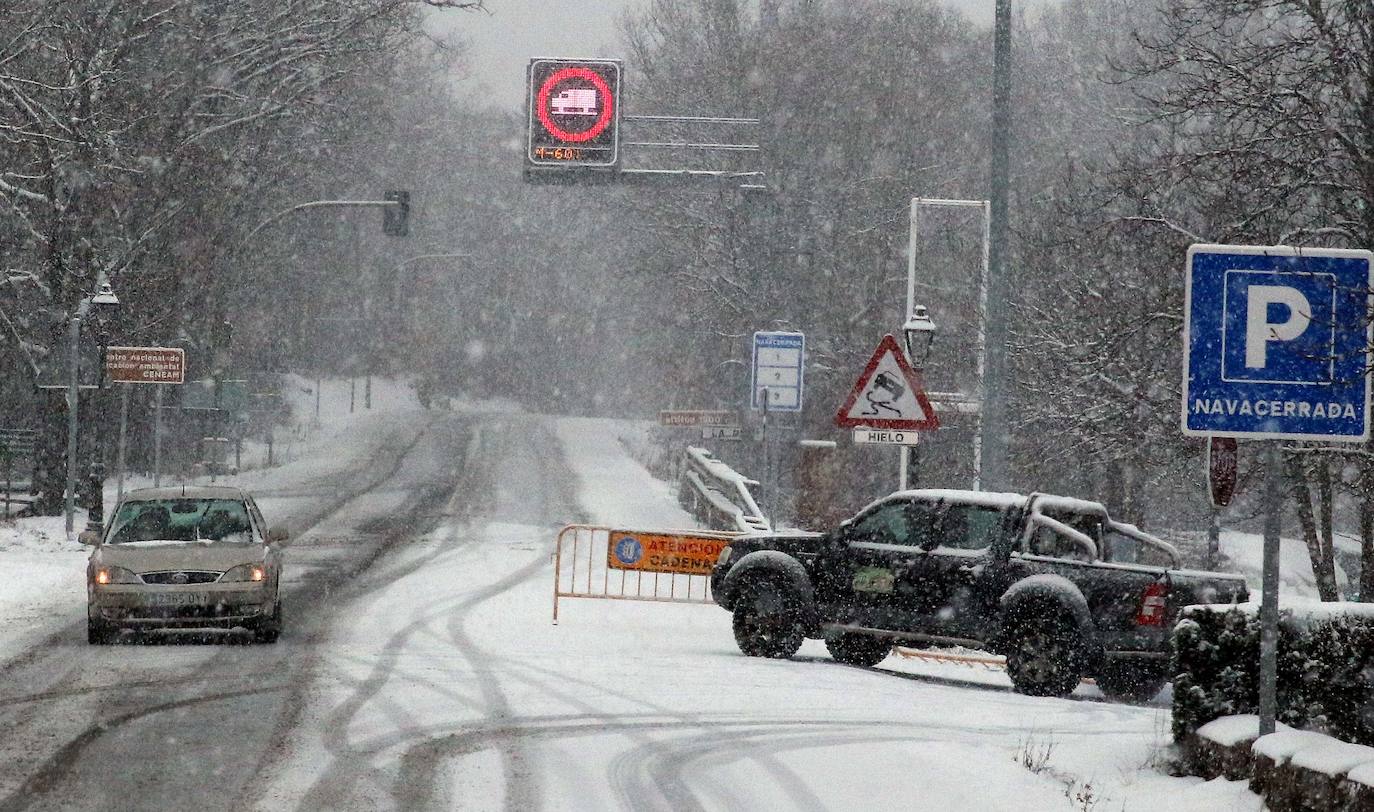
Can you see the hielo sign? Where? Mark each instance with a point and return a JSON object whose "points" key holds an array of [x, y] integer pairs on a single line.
{"points": [[1276, 342]]}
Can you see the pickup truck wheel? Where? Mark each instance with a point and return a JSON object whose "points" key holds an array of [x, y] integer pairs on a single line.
{"points": [[766, 622], [1044, 658], [857, 649], [1131, 682]]}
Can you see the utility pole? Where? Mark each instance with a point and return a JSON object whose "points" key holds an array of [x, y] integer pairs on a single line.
{"points": [[995, 474]]}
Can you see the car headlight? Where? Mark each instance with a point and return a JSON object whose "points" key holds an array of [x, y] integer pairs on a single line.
{"points": [[724, 556], [116, 575], [245, 572]]}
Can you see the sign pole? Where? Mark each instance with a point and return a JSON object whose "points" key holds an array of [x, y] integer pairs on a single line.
{"points": [[157, 438], [123, 439], [1214, 539], [767, 463], [1269, 605], [903, 469]]}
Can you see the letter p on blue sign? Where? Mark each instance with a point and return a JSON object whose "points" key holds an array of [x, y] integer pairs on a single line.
{"points": [[1284, 327]]}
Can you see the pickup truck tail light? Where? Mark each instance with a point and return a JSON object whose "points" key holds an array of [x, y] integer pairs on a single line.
{"points": [[1152, 604]]}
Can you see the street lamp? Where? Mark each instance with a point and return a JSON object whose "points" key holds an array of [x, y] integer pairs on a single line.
{"points": [[919, 332], [102, 303]]}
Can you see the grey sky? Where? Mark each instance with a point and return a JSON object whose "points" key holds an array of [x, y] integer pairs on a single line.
{"points": [[502, 40]]}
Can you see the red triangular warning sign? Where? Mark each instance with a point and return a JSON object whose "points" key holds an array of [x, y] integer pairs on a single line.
{"points": [[888, 395]]}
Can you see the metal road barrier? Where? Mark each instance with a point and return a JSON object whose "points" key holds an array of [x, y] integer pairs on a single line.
{"points": [[661, 566], [718, 495]]}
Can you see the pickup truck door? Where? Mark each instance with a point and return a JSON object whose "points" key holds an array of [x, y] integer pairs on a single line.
{"points": [[881, 548], [924, 566]]}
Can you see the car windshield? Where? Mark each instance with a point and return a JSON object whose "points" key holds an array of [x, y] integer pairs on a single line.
{"points": [[181, 520]]}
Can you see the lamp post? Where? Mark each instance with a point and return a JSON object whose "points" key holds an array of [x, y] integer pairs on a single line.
{"points": [[995, 470], [103, 300], [918, 333]]}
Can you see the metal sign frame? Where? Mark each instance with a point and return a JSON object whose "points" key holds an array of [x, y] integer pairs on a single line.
{"points": [[674, 134]]}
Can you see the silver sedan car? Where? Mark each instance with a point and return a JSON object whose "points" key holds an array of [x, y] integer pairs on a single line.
{"points": [[184, 557]]}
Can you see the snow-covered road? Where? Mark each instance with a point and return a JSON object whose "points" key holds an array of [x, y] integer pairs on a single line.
{"points": [[448, 687], [421, 671]]}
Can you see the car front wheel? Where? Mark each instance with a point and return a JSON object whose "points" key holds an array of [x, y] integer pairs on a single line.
{"points": [[268, 630], [99, 633]]}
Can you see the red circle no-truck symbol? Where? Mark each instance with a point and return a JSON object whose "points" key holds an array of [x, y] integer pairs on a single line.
{"points": [[603, 94]]}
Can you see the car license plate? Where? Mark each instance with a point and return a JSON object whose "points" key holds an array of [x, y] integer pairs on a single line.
{"points": [[874, 579], [176, 599]]}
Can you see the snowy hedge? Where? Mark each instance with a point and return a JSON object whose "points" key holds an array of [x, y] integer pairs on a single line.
{"points": [[1326, 667]]}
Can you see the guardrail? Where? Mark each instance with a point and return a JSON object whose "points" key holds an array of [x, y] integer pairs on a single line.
{"points": [[718, 495], [660, 566]]}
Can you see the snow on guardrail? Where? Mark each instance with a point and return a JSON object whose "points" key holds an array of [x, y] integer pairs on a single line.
{"points": [[718, 495]]}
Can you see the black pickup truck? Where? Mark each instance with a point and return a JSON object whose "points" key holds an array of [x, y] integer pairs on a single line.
{"points": [[1049, 581]]}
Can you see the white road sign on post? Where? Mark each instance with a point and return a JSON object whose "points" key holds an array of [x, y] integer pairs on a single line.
{"points": [[885, 437], [778, 369]]}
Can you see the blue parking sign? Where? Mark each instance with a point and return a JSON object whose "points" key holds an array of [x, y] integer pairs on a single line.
{"points": [[1276, 342]]}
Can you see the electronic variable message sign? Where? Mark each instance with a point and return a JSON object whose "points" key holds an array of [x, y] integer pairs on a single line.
{"points": [[574, 112]]}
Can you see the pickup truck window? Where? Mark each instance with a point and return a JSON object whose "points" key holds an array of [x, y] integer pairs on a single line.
{"points": [[1120, 548], [893, 523], [1054, 540], [969, 527], [1085, 523]]}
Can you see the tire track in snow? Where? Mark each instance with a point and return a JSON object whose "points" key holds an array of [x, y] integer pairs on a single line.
{"points": [[418, 784], [660, 770], [350, 763], [353, 762]]}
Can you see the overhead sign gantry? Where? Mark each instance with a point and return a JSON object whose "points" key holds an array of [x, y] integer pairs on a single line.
{"points": [[575, 112]]}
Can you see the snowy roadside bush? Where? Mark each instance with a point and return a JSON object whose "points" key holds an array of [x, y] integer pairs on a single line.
{"points": [[1325, 668]]}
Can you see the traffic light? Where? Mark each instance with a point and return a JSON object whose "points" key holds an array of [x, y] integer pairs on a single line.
{"points": [[396, 219], [574, 112]]}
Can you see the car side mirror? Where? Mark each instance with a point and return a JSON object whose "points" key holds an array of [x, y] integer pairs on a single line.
{"points": [[88, 537], [278, 535]]}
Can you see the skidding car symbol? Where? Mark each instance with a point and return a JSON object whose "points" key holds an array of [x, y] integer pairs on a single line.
{"points": [[575, 102], [884, 393]]}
